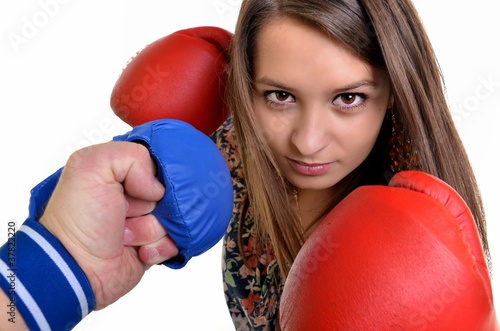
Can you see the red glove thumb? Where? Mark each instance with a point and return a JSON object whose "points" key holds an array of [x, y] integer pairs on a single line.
{"points": [[405, 257], [181, 76]]}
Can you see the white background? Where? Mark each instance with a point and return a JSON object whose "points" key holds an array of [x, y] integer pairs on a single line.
{"points": [[54, 98]]}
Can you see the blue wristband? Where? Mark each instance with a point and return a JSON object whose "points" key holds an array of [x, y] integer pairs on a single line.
{"points": [[43, 281]]}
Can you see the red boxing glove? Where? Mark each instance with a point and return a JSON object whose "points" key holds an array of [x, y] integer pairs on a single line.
{"points": [[181, 76], [404, 257]]}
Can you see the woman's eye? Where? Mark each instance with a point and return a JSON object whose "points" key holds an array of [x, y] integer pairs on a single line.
{"points": [[279, 97], [350, 100]]}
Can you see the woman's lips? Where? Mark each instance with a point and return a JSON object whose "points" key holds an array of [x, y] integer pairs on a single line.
{"points": [[310, 169]]}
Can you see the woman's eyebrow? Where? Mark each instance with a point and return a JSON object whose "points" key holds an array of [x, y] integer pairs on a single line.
{"points": [[362, 83], [270, 82]]}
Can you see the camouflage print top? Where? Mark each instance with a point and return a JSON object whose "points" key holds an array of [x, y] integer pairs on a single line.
{"points": [[252, 281]]}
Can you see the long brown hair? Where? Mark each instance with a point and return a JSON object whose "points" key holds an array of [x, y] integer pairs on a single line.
{"points": [[389, 35]]}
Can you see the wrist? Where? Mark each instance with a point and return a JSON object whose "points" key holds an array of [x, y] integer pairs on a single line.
{"points": [[77, 254]]}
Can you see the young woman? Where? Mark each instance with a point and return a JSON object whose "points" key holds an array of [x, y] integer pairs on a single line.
{"points": [[326, 96]]}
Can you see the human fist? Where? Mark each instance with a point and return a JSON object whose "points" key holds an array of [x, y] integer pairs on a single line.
{"points": [[102, 189], [198, 203]]}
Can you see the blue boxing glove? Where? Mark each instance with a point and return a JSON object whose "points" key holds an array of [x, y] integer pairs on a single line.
{"points": [[198, 202]]}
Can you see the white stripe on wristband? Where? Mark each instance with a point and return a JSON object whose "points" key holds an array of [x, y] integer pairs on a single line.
{"points": [[36, 312], [63, 266], [43, 281]]}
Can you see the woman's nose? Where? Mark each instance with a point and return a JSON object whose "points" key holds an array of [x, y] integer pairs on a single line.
{"points": [[311, 132]]}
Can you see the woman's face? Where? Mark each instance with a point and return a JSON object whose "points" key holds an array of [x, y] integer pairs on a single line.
{"points": [[320, 107]]}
